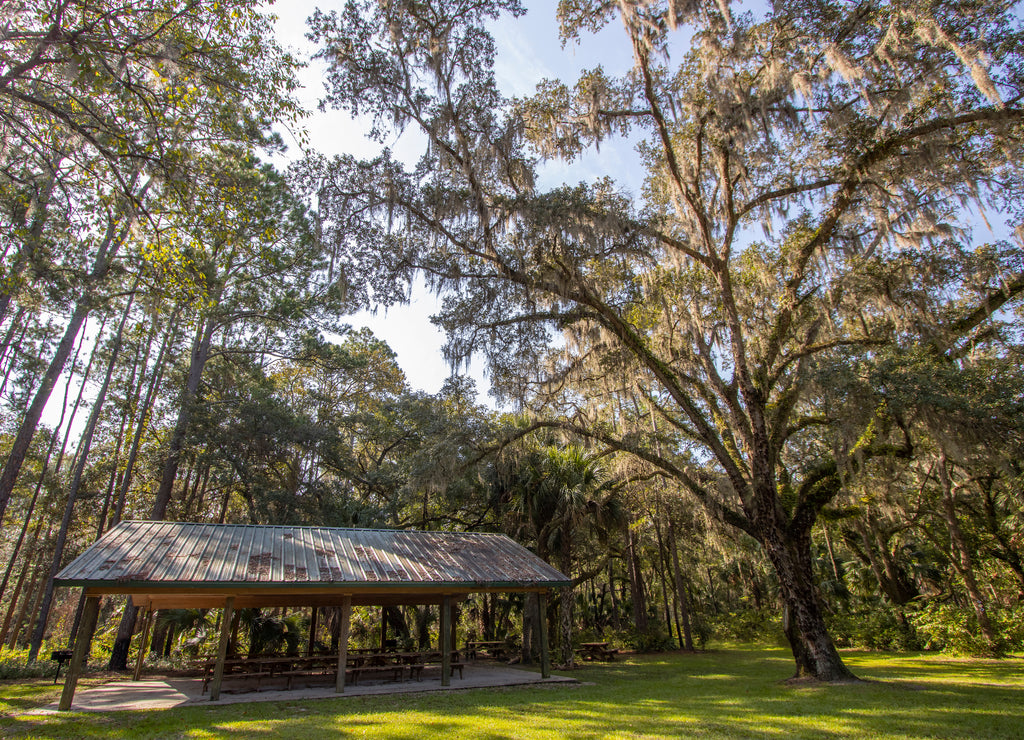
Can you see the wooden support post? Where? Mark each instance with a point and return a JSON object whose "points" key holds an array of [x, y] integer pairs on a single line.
{"points": [[82, 640], [222, 648], [343, 625], [446, 640], [142, 644], [542, 623], [313, 624], [383, 629]]}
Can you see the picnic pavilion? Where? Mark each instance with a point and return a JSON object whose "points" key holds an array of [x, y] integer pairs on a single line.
{"points": [[179, 565]]}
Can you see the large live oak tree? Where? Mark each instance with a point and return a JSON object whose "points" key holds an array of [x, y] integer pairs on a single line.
{"points": [[795, 158]]}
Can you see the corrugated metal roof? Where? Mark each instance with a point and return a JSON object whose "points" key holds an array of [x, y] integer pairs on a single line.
{"points": [[159, 555]]}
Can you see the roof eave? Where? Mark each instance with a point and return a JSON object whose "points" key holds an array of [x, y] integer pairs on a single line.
{"points": [[341, 586]]}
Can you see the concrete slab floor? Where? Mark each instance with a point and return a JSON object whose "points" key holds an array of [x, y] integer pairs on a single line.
{"points": [[167, 693]]}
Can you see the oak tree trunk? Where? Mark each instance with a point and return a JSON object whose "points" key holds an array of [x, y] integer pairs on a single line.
{"points": [[813, 650]]}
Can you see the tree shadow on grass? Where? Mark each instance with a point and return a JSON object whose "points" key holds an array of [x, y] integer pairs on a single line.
{"points": [[731, 694]]}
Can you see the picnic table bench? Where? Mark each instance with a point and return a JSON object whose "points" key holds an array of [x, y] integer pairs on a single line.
{"points": [[498, 649], [597, 651], [242, 669], [396, 670], [361, 663]]}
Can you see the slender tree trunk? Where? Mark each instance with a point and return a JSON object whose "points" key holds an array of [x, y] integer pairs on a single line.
{"points": [[837, 570], [568, 603], [40, 208], [11, 361], [123, 640], [143, 419], [752, 587], [76, 481], [30, 596], [636, 583], [169, 641], [962, 560], [487, 617], [662, 570], [23, 439], [126, 627], [616, 619], [223, 515], [135, 386], [49, 452], [28, 514], [40, 593], [236, 620], [334, 627], [161, 632], [26, 567], [681, 594], [200, 354], [201, 497], [191, 509]]}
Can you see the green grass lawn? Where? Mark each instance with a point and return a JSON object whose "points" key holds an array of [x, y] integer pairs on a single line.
{"points": [[735, 693]]}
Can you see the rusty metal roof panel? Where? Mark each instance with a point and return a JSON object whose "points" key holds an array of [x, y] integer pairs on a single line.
{"points": [[183, 554]]}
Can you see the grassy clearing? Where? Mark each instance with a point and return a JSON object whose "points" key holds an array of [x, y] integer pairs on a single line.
{"points": [[735, 693]]}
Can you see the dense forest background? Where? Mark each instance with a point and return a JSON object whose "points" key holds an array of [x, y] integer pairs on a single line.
{"points": [[777, 396]]}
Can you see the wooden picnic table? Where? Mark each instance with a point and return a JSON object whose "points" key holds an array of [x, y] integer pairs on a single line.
{"points": [[597, 651], [272, 666], [398, 662], [360, 662], [495, 648]]}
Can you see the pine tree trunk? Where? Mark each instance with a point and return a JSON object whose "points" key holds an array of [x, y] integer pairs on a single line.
{"points": [[123, 641], [135, 386], [16, 550], [236, 621], [169, 641], [76, 481], [112, 242], [40, 209], [9, 362], [160, 634], [30, 594], [26, 432], [35, 603], [143, 417], [126, 627], [26, 567], [200, 353]]}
